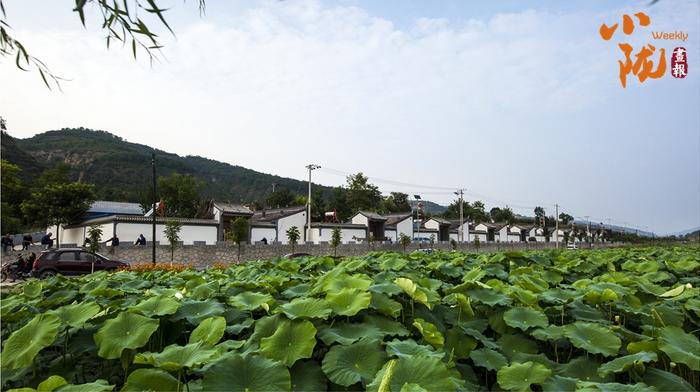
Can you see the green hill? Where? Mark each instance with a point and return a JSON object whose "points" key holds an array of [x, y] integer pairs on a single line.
{"points": [[122, 170]]}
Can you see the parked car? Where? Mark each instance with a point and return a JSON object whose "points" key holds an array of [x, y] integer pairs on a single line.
{"points": [[72, 261]]}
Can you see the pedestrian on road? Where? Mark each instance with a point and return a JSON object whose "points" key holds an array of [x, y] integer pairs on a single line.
{"points": [[7, 243], [26, 241], [47, 241]]}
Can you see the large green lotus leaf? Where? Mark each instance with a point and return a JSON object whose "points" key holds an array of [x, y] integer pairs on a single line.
{"points": [[488, 358], [411, 288], [51, 383], [643, 345], [306, 308], [246, 374], [623, 363], [56, 298], [519, 376], [386, 326], [76, 315], [525, 318], [585, 386], [205, 291], [127, 330], [25, 343], [210, 330], [429, 332], [458, 344], [250, 300], [463, 302], [159, 305], [357, 281], [685, 265], [300, 290], [666, 381], [291, 341], [307, 376], [151, 380], [593, 338], [358, 362], [476, 334], [98, 385], [409, 349], [175, 357], [558, 384], [583, 368], [264, 327], [511, 345], [664, 314], [489, 297], [32, 289], [196, 311], [385, 305], [584, 312], [385, 288], [347, 302], [428, 373], [551, 332], [680, 346]]}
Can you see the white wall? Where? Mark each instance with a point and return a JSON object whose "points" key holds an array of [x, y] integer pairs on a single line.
{"points": [[360, 219], [323, 234], [432, 224], [390, 234], [513, 237], [129, 232], [502, 235], [472, 236], [258, 233], [70, 236], [405, 227], [425, 235], [481, 227], [284, 224]]}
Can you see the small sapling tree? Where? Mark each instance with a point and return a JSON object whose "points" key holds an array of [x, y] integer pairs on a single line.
{"points": [[238, 233], [172, 233], [335, 240], [293, 236], [405, 241]]}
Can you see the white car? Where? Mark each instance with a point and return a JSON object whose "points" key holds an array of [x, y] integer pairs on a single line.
{"points": [[571, 245]]}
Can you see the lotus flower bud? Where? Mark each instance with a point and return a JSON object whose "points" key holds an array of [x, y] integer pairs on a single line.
{"points": [[673, 365], [617, 319], [688, 286], [179, 295]]}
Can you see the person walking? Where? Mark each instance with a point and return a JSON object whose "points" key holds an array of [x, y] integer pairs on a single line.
{"points": [[26, 241], [7, 243], [47, 241]]}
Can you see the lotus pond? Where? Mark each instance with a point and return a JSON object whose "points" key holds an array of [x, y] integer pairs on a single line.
{"points": [[608, 320]]}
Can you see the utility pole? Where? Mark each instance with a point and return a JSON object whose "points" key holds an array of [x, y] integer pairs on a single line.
{"points": [[153, 242], [588, 229], [461, 215], [273, 187], [308, 202], [556, 225]]}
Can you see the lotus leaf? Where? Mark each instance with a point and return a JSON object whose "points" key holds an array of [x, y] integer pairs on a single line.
{"points": [[458, 344], [307, 376], [347, 302], [306, 308], [358, 362], [666, 381], [511, 345], [489, 297], [593, 338], [51, 383], [409, 349], [151, 380], [385, 305], [525, 318], [32, 289], [680, 346], [210, 330], [644, 345], [558, 383], [585, 386], [429, 332], [98, 385], [291, 341], [25, 343], [413, 291], [621, 364], [551, 332], [246, 374], [127, 330], [428, 373], [196, 311], [76, 315], [519, 376], [673, 292], [488, 358], [175, 357], [251, 300]]}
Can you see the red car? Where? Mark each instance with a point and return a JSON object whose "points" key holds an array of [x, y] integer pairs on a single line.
{"points": [[72, 261]]}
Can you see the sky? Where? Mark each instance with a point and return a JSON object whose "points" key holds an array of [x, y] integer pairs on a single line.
{"points": [[517, 102]]}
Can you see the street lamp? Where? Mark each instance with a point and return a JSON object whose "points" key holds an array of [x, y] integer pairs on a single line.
{"points": [[461, 214], [419, 205], [308, 202]]}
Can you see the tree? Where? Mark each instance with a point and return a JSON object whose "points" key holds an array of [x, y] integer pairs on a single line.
{"points": [[172, 233], [361, 194], [338, 202], [94, 236], [238, 233], [180, 193], [502, 215], [280, 198], [120, 22], [539, 215], [54, 175], [565, 218], [396, 202], [405, 240], [335, 240], [57, 204], [13, 192], [293, 236], [318, 205]]}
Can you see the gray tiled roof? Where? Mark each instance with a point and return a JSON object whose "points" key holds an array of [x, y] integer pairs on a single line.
{"points": [[372, 215], [393, 219], [275, 214], [145, 219], [230, 208], [115, 207], [441, 221]]}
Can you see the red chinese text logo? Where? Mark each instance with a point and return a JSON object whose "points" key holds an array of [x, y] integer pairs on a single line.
{"points": [[679, 63]]}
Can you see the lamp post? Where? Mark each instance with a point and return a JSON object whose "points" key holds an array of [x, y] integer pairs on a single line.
{"points": [[153, 242], [308, 202], [461, 214], [419, 205]]}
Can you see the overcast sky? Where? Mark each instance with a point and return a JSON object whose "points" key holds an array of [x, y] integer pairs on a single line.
{"points": [[518, 102]]}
